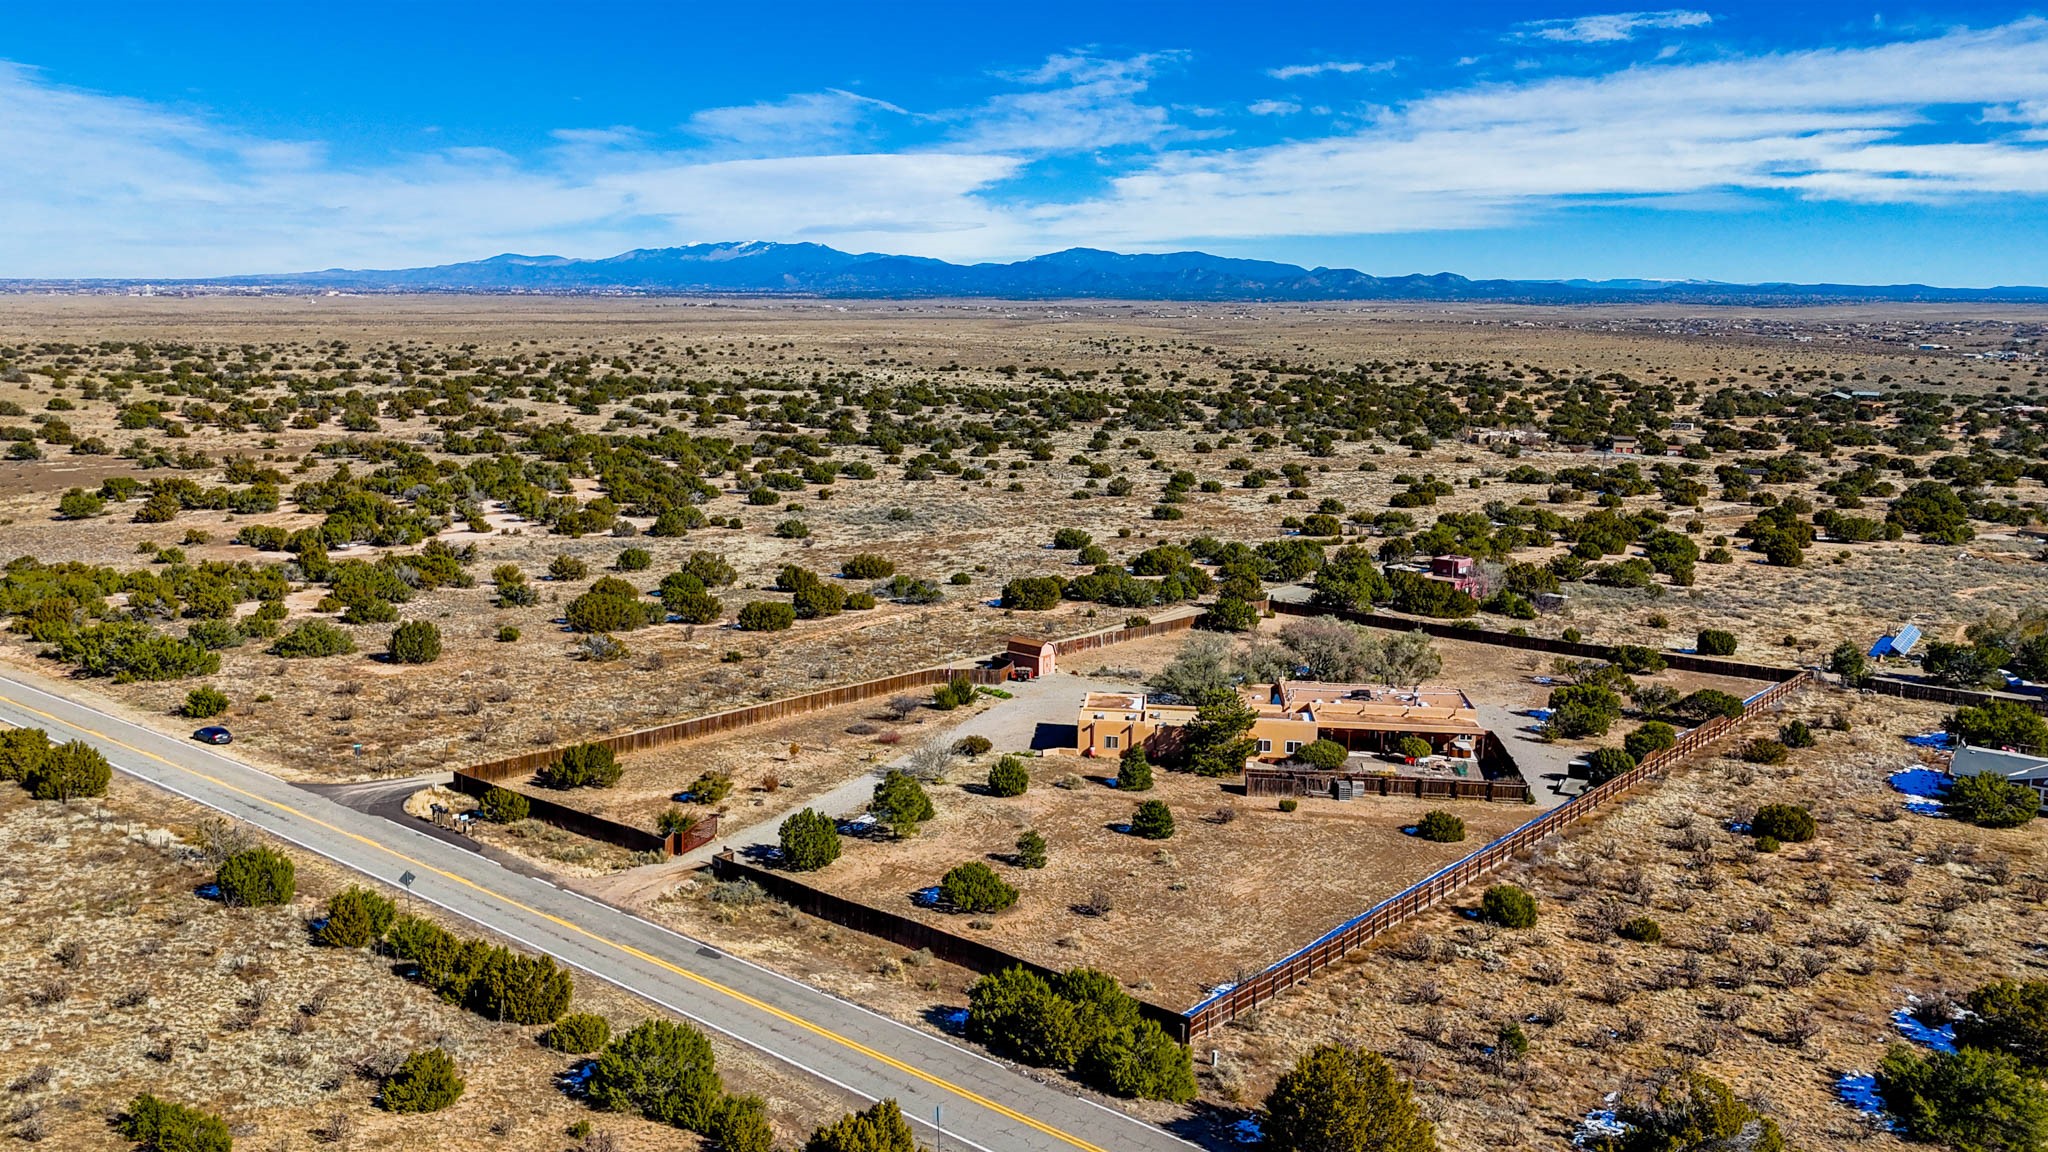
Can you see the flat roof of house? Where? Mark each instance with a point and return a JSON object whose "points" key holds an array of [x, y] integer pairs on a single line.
{"points": [[1293, 692], [1113, 702]]}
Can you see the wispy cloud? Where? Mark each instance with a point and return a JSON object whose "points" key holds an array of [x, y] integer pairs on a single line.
{"points": [[1613, 27], [1342, 67], [1073, 103], [805, 122], [97, 185]]}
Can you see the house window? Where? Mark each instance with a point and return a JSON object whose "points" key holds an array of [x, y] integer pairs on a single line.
{"points": [[1265, 746], [1109, 741], [1293, 746]]}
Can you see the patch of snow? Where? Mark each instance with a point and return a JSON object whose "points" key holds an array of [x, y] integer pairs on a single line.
{"points": [[1859, 1091], [1919, 780], [1219, 989], [926, 897], [1600, 1124], [1247, 1131], [1939, 740], [576, 1081], [1942, 1039], [957, 1018]]}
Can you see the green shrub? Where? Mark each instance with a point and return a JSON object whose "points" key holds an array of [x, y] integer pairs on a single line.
{"points": [[1999, 724], [257, 877], [1704, 704], [1768, 844], [1508, 907], [1289, 804], [1009, 777], [129, 651], [1968, 1099], [634, 560], [972, 745], [675, 820], [204, 703], [601, 612], [1440, 827], [1763, 750], [1649, 736], [567, 568], [356, 917], [582, 766], [578, 1033], [1605, 764], [1786, 823], [426, 1082], [22, 752], [1080, 1019], [1343, 1099], [1071, 539], [880, 1128], [868, 566], [1031, 593], [507, 634], [1715, 642], [766, 616], [1693, 1112], [1796, 735], [504, 806], [1414, 747], [1153, 820], [1325, 755], [900, 802], [710, 788], [1030, 850], [1134, 770], [662, 1070], [740, 1124], [161, 1126], [1990, 801], [313, 638], [2009, 1016], [955, 693], [974, 887], [415, 642], [1640, 929], [810, 840], [69, 771]]}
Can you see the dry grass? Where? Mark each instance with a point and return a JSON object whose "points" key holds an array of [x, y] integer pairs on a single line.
{"points": [[117, 979], [1776, 972]]}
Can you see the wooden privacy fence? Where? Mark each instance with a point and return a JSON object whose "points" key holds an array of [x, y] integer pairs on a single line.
{"points": [[1269, 782], [645, 738], [1095, 640], [1683, 661], [1940, 694], [627, 836], [903, 931], [1229, 1004]]}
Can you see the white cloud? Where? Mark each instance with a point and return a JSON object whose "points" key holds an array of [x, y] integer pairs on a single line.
{"points": [[1831, 124], [1614, 27], [98, 185], [1272, 108], [808, 121], [1344, 67], [1077, 103]]}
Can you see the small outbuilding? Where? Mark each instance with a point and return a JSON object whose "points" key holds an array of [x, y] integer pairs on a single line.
{"points": [[1030, 658]]}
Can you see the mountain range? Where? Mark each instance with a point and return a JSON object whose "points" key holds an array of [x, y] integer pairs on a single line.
{"points": [[761, 268]]}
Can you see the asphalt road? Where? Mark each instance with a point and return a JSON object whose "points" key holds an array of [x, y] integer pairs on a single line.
{"points": [[980, 1103]]}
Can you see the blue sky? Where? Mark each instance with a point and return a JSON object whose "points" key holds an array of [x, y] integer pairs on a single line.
{"points": [[1734, 141]]}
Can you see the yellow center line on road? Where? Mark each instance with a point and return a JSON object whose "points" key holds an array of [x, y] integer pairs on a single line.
{"points": [[571, 926]]}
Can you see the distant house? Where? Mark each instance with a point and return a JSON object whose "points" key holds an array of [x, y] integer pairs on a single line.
{"points": [[2029, 768], [1504, 436], [1293, 714], [1624, 446]]}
